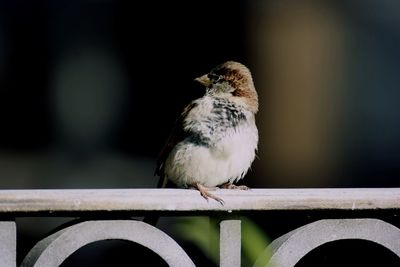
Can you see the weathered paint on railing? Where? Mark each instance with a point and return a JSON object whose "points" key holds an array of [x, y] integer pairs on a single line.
{"points": [[286, 250], [31, 201]]}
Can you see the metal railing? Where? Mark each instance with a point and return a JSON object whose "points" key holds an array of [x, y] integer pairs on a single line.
{"points": [[284, 251]]}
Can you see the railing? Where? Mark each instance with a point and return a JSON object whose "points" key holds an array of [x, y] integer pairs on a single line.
{"points": [[284, 251]]}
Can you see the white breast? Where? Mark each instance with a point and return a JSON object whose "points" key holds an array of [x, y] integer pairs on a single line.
{"points": [[227, 160]]}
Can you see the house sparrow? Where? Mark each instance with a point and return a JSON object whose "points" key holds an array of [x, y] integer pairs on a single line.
{"points": [[214, 140]]}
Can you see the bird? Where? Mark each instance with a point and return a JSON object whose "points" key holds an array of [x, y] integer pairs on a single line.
{"points": [[214, 140]]}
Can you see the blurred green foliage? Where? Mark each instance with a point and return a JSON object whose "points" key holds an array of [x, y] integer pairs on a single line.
{"points": [[204, 233]]}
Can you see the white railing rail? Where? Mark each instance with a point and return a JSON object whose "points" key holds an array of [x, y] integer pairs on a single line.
{"points": [[54, 249]]}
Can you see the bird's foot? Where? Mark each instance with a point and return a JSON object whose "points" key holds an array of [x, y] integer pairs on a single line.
{"points": [[204, 192], [232, 186]]}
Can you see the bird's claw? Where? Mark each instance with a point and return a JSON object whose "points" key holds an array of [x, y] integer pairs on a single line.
{"points": [[204, 193], [237, 187]]}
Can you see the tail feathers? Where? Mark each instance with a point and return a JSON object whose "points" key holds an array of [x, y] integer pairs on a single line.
{"points": [[152, 219], [162, 182]]}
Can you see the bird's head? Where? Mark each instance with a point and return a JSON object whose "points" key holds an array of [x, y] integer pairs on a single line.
{"points": [[231, 80]]}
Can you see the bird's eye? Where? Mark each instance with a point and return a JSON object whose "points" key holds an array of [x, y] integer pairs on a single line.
{"points": [[214, 77]]}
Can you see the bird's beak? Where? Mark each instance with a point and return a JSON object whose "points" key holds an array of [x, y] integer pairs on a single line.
{"points": [[204, 80]]}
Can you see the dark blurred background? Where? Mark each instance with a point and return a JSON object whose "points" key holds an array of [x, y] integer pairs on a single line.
{"points": [[89, 89]]}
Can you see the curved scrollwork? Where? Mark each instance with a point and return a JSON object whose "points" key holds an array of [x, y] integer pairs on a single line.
{"points": [[287, 250], [54, 249]]}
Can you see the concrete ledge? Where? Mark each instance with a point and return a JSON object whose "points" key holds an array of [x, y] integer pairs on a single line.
{"points": [[98, 200]]}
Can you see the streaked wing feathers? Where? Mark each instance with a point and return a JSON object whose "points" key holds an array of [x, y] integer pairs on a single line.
{"points": [[177, 135]]}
